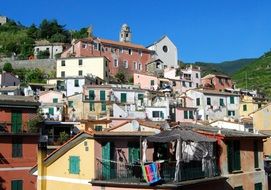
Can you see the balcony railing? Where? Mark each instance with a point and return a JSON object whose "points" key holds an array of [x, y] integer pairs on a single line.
{"points": [[132, 173]]}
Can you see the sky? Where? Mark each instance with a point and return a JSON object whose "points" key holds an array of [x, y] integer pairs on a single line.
{"points": [[202, 30]]}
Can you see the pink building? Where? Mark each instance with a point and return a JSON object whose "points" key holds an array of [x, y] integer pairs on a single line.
{"points": [[217, 82], [124, 56]]}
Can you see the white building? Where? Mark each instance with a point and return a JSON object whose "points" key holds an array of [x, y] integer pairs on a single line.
{"points": [[3, 20], [166, 51], [214, 105], [73, 85], [230, 124], [52, 48], [83, 66]]}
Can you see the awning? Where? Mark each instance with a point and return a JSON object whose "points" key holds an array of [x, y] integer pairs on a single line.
{"points": [[182, 134]]}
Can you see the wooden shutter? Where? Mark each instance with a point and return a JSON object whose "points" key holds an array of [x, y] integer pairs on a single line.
{"points": [[232, 99], [230, 156], [55, 100], [185, 114], [105, 160], [91, 95], [17, 185], [256, 154], [103, 106], [51, 111], [238, 188], [140, 97], [74, 164], [191, 115], [258, 186], [16, 122], [237, 159], [134, 152]]}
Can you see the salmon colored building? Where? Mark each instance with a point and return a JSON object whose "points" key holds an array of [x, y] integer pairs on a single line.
{"points": [[217, 82], [18, 144]]}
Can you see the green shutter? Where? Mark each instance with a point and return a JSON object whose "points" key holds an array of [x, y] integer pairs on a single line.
{"points": [[98, 128], [107, 155], [152, 82], [237, 159], [74, 164], [238, 188], [91, 106], [55, 100], [134, 152], [256, 154], [221, 102], [91, 95], [230, 156], [185, 114], [123, 97], [198, 101], [232, 99], [191, 115], [70, 103], [102, 95], [258, 186], [208, 101], [76, 83], [103, 106], [16, 122], [51, 111], [17, 185], [245, 107]]}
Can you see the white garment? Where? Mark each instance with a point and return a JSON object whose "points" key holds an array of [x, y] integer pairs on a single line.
{"points": [[188, 150]]}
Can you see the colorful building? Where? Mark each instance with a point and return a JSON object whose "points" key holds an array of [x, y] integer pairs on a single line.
{"points": [[217, 82], [249, 104], [18, 142]]}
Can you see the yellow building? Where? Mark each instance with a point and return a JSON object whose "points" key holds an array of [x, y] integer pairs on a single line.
{"points": [[249, 104], [69, 167], [262, 124], [79, 66]]}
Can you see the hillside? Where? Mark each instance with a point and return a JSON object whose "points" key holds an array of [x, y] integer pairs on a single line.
{"points": [[256, 75], [226, 67]]}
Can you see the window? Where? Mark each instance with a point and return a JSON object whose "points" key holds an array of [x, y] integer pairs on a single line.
{"points": [[62, 73], [16, 184], [140, 52], [232, 99], [130, 51], [198, 101], [17, 148], [208, 101], [80, 73], [245, 107], [238, 188], [231, 113], [74, 164], [123, 97], [190, 84], [152, 82], [76, 83], [84, 46], [98, 128], [221, 102], [256, 154], [55, 100], [259, 105], [70, 103], [135, 65], [91, 99], [165, 49], [184, 85], [197, 75], [116, 63], [188, 114], [139, 66], [258, 186], [103, 106], [197, 85], [158, 114], [234, 161], [95, 45], [125, 64], [63, 63], [102, 95], [80, 62], [140, 97]]}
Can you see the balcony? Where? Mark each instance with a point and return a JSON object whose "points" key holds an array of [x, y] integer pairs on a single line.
{"points": [[132, 173]]}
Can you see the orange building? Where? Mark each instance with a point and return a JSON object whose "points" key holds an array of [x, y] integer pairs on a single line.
{"points": [[18, 142], [217, 82]]}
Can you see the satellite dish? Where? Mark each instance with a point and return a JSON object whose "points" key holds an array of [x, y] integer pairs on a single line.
{"points": [[135, 125]]}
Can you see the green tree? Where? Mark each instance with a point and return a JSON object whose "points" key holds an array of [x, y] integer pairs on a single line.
{"points": [[120, 76], [82, 33], [8, 67]]}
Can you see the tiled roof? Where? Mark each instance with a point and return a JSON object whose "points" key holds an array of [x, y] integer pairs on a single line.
{"points": [[26, 99], [213, 75], [215, 92]]}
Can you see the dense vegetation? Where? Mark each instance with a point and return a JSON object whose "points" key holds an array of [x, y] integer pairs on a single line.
{"points": [[256, 75], [226, 67], [19, 40]]}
